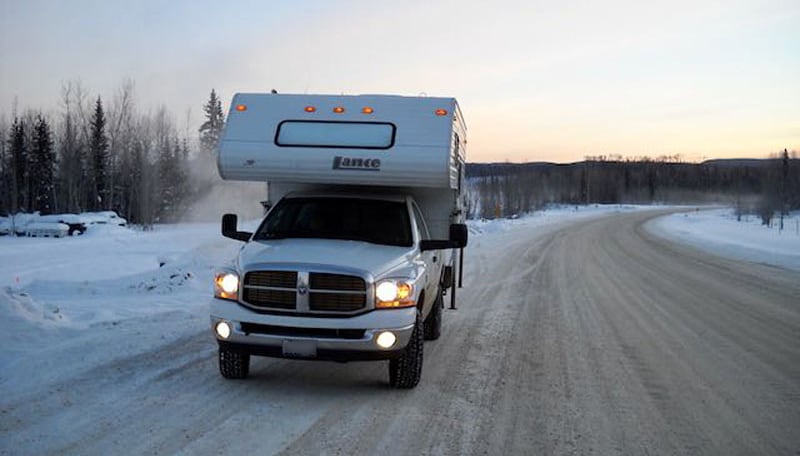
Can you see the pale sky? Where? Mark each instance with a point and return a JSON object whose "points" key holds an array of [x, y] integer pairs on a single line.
{"points": [[536, 80]]}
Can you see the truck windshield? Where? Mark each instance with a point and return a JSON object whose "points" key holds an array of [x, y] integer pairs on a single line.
{"points": [[375, 221]]}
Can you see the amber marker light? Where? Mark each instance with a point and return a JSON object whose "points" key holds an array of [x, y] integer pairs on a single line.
{"points": [[241, 107], [403, 291], [310, 109], [441, 112], [367, 110], [338, 110]]}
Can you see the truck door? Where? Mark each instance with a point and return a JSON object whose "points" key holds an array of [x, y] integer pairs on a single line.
{"points": [[432, 258]]}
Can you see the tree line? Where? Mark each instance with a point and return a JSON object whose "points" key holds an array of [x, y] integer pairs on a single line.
{"points": [[95, 156], [761, 186]]}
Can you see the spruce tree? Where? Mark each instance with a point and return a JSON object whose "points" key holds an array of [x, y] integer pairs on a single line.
{"points": [[180, 154], [211, 130], [98, 167], [5, 191], [17, 164], [168, 183], [42, 167]]}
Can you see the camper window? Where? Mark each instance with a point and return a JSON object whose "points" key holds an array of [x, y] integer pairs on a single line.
{"points": [[351, 135]]}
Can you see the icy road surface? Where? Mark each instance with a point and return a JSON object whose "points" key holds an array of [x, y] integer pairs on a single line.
{"points": [[587, 337]]}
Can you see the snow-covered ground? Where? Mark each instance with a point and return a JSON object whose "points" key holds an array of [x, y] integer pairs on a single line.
{"points": [[717, 231], [551, 216], [113, 274], [71, 304]]}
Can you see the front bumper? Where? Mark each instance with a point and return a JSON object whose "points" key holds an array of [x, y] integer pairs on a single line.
{"points": [[338, 339]]}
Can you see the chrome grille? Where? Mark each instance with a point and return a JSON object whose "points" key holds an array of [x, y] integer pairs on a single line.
{"points": [[278, 279], [323, 281], [336, 292], [336, 302], [271, 289], [276, 299], [299, 291]]}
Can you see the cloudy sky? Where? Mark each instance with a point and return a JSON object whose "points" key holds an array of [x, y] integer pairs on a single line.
{"points": [[536, 80]]}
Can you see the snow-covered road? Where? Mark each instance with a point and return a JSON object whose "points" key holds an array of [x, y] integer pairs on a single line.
{"points": [[581, 335]]}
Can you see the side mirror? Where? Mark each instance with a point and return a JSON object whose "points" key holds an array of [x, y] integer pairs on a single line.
{"points": [[459, 235], [229, 228], [434, 245]]}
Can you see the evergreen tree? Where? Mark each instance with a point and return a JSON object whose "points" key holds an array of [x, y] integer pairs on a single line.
{"points": [[98, 166], [784, 183], [17, 165], [173, 178], [180, 153], [42, 167], [5, 178], [211, 130], [168, 183]]}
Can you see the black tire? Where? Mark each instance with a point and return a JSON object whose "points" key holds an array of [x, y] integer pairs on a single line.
{"points": [[405, 371], [433, 322], [233, 364]]}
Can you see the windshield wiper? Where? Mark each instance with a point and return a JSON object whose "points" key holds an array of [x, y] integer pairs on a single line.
{"points": [[276, 235]]}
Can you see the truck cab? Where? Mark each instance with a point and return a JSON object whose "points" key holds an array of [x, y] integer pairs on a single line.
{"points": [[341, 267]]}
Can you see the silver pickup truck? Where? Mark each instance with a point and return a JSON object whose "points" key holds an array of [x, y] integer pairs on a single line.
{"points": [[334, 276], [352, 261]]}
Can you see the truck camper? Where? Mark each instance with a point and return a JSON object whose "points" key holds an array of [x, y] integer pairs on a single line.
{"points": [[363, 235]]}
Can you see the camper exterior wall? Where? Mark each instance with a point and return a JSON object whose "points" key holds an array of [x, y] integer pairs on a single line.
{"points": [[423, 151]]}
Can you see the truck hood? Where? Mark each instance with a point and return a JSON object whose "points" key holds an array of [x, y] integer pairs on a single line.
{"points": [[373, 259]]}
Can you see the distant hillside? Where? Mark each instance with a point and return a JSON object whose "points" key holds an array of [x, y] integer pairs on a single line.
{"points": [[504, 189], [748, 162], [486, 169]]}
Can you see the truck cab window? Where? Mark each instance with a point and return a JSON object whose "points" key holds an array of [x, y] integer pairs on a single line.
{"points": [[374, 221]]}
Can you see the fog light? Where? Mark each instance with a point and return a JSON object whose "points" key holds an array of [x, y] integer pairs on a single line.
{"points": [[223, 330], [386, 339]]}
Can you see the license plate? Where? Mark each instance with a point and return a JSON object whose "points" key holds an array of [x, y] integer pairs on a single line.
{"points": [[300, 348]]}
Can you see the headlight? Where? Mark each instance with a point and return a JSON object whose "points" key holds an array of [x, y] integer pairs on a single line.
{"points": [[392, 293], [386, 291], [226, 285]]}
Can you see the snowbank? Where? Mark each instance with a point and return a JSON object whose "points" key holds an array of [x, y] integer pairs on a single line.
{"points": [[552, 215], [718, 232]]}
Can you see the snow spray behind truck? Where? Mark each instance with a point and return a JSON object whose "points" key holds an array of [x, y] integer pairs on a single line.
{"points": [[363, 235]]}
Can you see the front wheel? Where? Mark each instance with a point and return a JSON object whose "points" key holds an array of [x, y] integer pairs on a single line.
{"points": [[233, 364], [433, 323], [405, 371]]}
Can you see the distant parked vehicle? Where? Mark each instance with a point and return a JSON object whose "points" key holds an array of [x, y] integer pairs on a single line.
{"points": [[104, 218], [5, 226], [75, 223], [45, 229]]}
